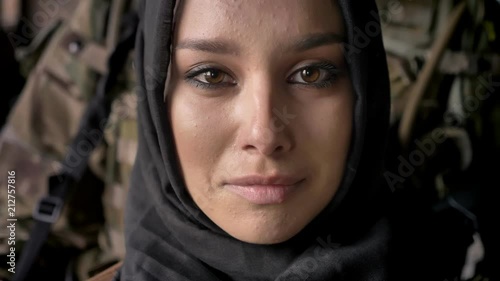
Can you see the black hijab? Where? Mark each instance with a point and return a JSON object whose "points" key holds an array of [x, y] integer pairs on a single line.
{"points": [[169, 238]]}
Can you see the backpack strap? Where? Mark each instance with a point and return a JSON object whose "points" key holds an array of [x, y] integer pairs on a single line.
{"points": [[420, 88], [48, 209]]}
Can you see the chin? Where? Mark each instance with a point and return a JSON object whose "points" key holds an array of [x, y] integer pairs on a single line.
{"points": [[264, 231], [264, 239], [271, 240]]}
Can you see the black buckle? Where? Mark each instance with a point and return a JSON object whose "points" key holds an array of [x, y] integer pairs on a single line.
{"points": [[48, 209]]}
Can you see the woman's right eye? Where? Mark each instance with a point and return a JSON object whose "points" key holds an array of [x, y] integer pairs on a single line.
{"points": [[210, 77]]}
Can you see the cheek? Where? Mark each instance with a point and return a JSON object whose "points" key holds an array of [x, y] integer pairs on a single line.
{"points": [[201, 135], [329, 120]]}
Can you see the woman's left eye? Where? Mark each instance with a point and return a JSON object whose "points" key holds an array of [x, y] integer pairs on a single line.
{"points": [[315, 75]]}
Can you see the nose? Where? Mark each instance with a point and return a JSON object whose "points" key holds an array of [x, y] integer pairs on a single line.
{"points": [[266, 119]]}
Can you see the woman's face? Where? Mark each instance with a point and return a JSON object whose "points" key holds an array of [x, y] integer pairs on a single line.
{"points": [[261, 109]]}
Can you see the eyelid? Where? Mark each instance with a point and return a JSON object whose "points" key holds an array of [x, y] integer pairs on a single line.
{"points": [[321, 65], [327, 65], [201, 68], [204, 67]]}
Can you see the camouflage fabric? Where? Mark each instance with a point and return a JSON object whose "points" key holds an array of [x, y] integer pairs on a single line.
{"points": [[30, 24], [47, 116], [43, 123], [445, 186], [408, 32], [121, 139]]}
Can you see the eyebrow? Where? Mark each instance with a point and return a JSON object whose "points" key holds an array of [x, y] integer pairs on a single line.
{"points": [[219, 46], [211, 46], [316, 40]]}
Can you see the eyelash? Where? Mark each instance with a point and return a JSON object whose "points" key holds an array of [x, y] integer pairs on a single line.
{"points": [[332, 75], [190, 77]]}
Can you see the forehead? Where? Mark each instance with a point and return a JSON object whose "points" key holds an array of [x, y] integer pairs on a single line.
{"points": [[257, 21]]}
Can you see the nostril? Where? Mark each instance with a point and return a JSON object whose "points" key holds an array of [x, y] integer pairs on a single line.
{"points": [[265, 149], [280, 148]]}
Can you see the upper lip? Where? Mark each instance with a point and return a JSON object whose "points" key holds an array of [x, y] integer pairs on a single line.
{"points": [[279, 180]]}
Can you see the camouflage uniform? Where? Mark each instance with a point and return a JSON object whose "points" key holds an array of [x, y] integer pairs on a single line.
{"points": [[445, 195], [46, 118], [121, 146], [42, 124]]}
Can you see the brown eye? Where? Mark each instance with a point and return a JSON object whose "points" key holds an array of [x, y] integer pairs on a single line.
{"points": [[310, 74], [210, 77], [317, 75], [214, 76]]}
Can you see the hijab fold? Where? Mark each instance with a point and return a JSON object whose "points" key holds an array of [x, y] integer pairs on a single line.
{"points": [[169, 238]]}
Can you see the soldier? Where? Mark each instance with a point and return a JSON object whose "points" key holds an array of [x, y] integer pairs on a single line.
{"points": [[35, 141], [38, 132]]}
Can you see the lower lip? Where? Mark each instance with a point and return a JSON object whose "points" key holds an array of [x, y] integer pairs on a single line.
{"points": [[264, 194]]}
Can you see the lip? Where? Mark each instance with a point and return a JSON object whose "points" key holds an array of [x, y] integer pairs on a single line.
{"points": [[264, 190]]}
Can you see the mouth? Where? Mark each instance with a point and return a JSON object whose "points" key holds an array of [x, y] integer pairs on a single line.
{"points": [[264, 190]]}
